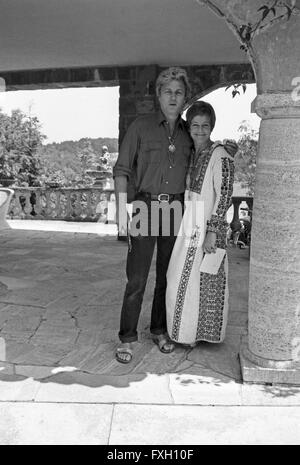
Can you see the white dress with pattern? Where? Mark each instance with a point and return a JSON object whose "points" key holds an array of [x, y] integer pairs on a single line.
{"points": [[196, 302]]}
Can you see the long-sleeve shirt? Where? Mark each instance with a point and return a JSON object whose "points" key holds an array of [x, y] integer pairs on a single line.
{"points": [[144, 155]]}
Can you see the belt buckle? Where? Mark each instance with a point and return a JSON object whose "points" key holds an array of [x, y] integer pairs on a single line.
{"points": [[166, 199]]}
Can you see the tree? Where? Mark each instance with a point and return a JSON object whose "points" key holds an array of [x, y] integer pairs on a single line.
{"points": [[60, 168], [245, 160], [20, 139]]}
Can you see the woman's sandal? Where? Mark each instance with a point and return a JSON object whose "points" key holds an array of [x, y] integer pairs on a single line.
{"points": [[124, 350], [162, 341]]}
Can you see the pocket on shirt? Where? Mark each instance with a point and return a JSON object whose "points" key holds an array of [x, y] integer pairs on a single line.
{"points": [[151, 152]]}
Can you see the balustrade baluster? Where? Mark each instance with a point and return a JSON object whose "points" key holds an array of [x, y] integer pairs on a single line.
{"points": [[67, 203], [89, 211], [58, 204], [38, 207]]}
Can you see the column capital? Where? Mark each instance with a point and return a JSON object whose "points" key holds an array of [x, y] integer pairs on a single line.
{"points": [[277, 105]]}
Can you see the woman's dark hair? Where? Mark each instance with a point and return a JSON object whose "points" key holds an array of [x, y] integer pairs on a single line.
{"points": [[201, 108]]}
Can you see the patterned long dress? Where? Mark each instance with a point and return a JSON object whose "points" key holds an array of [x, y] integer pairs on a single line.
{"points": [[196, 302]]}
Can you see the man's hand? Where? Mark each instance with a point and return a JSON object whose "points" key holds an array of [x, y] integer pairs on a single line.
{"points": [[121, 200], [123, 225], [209, 244], [230, 146]]}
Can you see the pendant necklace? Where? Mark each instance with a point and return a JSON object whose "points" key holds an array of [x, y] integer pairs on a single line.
{"points": [[172, 147]]}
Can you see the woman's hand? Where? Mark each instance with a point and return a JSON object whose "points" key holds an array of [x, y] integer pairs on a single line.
{"points": [[230, 146], [209, 244]]}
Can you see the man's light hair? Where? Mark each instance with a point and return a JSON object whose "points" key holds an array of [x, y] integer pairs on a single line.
{"points": [[173, 74]]}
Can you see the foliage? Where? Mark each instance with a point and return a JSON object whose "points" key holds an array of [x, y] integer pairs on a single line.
{"points": [[236, 87], [269, 14], [25, 161], [20, 139], [276, 11], [245, 159], [65, 164]]}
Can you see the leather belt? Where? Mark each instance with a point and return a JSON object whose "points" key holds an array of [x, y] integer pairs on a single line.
{"points": [[160, 197]]}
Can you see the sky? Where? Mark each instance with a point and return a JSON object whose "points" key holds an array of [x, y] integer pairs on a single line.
{"points": [[74, 113]]}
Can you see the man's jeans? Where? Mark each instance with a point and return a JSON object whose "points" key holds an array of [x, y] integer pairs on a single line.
{"points": [[137, 269]]}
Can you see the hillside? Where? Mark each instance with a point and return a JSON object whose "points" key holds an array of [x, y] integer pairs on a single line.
{"points": [[76, 146], [66, 162]]}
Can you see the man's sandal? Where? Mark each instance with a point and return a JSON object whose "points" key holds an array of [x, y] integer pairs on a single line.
{"points": [[126, 351], [162, 341]]}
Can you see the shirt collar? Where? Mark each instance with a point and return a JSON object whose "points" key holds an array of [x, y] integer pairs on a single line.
{"points": [[161, 119]]}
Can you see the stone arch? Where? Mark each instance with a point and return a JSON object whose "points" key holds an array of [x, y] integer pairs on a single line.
{"points": [[206, 79]]}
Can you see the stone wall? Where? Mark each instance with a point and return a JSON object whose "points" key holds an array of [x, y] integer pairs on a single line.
{"points": [[137, 87]]}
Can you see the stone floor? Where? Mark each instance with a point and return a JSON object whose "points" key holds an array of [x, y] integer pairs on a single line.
{"points": [[61, 289], [60, 298]]}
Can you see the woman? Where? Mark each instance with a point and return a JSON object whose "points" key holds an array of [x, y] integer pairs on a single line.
{"points": [[197, 302]]}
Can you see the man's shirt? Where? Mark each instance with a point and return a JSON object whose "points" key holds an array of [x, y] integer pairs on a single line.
{"points": [[144, 155]]}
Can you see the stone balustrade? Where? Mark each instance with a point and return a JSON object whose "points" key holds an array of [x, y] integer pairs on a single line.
{"points": [[55, 203], [79, 204]]}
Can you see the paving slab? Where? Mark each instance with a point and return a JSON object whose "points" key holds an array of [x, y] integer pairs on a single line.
{"points": [[20, 252], [156, 362], [221, 358], [35, 371], [6, 369], [17, 388], [12, 350], [259, 394], [43, 354], [193, 425], [57, 333], [37, 296], [16, 283], [50, 424], [93, 358], [204, 388], [87, 388]]}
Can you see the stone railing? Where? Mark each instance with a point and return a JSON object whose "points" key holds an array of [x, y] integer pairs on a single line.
{"points": [[70, 204], [80, 204]]}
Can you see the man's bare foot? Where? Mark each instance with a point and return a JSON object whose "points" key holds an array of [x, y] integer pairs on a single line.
{"points": [[124, 352]]}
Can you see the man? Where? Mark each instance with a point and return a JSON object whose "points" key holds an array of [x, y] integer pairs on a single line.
{"points": [[155, 153]]}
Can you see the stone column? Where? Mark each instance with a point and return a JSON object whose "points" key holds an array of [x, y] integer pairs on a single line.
{"points": [[272, 352]]}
